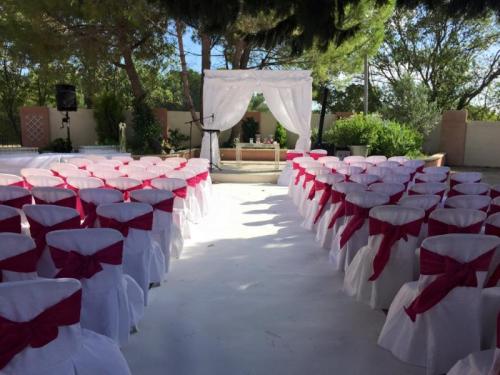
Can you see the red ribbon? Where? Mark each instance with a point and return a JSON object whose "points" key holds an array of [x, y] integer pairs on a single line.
{"points": [[308, 177], [452, 274], [494, 193], [390, 235], [18, 183], [39, 331], [75, 265], [293, 155], [358, 216], [38, 231], [11, 224], [494, 208], [69, 202], [437, 228], [17, 202], [24, 262], [337, 197], [180, 192], [192, 181], [203, 176], [89, 212], [393, 199], [323, 200], [143, 222], [166, 205], [302, 171], [126, 192], [315, 156]]}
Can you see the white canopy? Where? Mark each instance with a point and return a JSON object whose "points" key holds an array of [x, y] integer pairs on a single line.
{"points": [[227, 93]]}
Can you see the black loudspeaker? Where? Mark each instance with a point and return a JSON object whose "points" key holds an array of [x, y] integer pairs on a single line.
{"points": [[66, 98]]}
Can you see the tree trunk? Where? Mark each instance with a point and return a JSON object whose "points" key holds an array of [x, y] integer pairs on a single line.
{"points": [[179, 27], [241, 54], [206, 63], [133, 76]]}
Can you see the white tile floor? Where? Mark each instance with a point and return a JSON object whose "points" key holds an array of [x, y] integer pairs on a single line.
{"points": [[254, 294]]}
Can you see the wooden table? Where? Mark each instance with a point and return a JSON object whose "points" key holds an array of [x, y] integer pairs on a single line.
{"points": [[275, 146]]}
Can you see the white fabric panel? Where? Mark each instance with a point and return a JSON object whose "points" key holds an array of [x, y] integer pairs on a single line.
{"points": [[227, 93]]}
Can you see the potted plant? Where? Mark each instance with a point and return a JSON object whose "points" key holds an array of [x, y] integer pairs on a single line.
{"points": [[355, 132]]}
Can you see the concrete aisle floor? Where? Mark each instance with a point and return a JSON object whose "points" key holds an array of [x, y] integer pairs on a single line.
{"points": [[253, 294]]}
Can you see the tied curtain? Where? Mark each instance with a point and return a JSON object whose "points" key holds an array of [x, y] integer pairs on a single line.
{"points": [[227, 93]]}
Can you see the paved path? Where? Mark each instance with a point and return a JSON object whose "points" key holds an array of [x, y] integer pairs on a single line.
{"points": [[254, 294]]}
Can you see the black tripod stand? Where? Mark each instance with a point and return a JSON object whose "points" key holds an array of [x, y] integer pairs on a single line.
{"points": [[191, 130], [210, 132]]}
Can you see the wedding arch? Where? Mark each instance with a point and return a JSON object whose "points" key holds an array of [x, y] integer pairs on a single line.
{"points": [[227, 93]]}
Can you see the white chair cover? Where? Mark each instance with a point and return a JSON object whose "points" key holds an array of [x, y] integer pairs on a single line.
{"points": [[57, 167], [362, 164], [113, 163], [447, 330], [162, 202], [398, 178], [364, 179], [81, 163], [52, 195], [126, 169], [99, 167], [161, 170], [297, 183], [308, 187], [479, 363], [66, 173], [394, 190], [376, 159], [431, 177], [124, 185], [77, 183], [465, 177], [91, 198], [443, 170], [350, 171], [382, 172], [333, 218], [124, 159], [428, 188], [25, 172], [405, 170], [353, 233], [96, 158], [151, 159], [16, 197], [43, 180], [418, 165], [74, 351], [287, 174], [326, 159], [11, 180], [476, 202], [400, 159], [381, 267], [144, 176], [353, 159], [140, 163], [181, 226], [139, 255], [336, 165], [193, 198], [18, 257], [389, 164], [105, 304], [107, 174], [428, 203], [321, 199], [317, 153], [469, 188]]}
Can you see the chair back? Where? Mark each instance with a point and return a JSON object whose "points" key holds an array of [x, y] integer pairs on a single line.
{"points": [[161, 170], [465, 177], [350, 171], [397, 178], [124, 159], [25, 172], [11, 180], [44, 181], [336, 165], [399, 159], [107, 174], [10, 220], [441, 170], [469, 188], [56, 196], [77, 183], [14, 196], [418, 165], [428, 188], [376, 159], [364, 179], [353, 159], [389, 164], [476, 202], [57, 167], [362, 164], [380, 171], [393, 189], [113, 163], [455, 220], [18, 257], [80, 163], [151, 159], [326, 159]]}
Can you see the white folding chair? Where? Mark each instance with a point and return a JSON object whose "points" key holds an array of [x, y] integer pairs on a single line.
{"points": [[11, 180], [91, 198], [124, 184], [435, 321], [465, 177], [394, 190], [18, 257], [44, 181], [380, 268], [364, 179], [469, 188], [162, 202], [334, 216], [353, 159], [476, 202], [151, 159], [353, 234], [319, 198], [10, 220], [56, 196], [54, 343], [376, 159], [135, 222], [94, 257]]}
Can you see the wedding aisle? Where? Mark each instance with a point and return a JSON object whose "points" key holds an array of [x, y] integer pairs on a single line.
{"points": [[254, 294]]}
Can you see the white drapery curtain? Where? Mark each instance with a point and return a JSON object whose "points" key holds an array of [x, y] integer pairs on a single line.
{"points": [[227, 93]]}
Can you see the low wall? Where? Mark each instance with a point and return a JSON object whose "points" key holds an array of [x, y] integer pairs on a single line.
{"points": [[482, 145], [251, 154]]}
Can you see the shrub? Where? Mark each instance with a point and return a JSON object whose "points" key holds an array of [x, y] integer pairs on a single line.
{"points": [[249, 128], [108, 112], [58, 145], [353, 131], [147, 132], [394, 139], [175, 140], [280, 135]]}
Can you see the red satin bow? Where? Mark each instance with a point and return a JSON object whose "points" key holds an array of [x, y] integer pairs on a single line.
{"points": [[39, 331], [11, 224], [192, 181], [143, 222], [391, 234], [437, 228], [38, 231], [308, 177], [301, 172], [337, 197], [180, 192], [24, 262], [323, 200], [17, 202], [18, 183], [317, 185], [126, 192], [203, 176], [292, 155], [494, 209], [75, 265], [451, 273], [65, 202], [358, 217], [166, 205], [494, 194]]}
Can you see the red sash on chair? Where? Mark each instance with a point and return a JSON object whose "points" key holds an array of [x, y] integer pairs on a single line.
{"points": [[358, 216], [494, 194], [293, 155], [166, 205], [494, 209], [18, 183], [452, 274], [125, 192], [203, 176], [308, 177], [301, 172], [69, 202], [453, 182], [38, 231], [337, 197], [180, 192], [317, 185], [391, 234], [315, 156], [437, 228], [192, 181], [11, 224], [17, 202], [75, 265], [24, 262], [79, 206], [39, 331], [428, 212], [143, 222], [323, 200], [393, 199], [89, 211]]}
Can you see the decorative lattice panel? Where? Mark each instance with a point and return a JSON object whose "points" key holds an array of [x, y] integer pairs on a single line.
{"points": [[35, 129]]}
